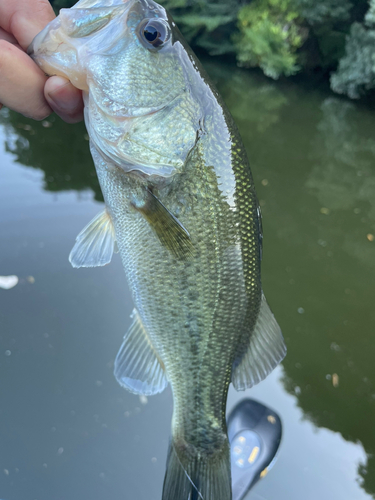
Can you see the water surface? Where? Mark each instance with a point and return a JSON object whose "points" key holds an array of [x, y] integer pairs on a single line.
{"points": [[68, 430]]}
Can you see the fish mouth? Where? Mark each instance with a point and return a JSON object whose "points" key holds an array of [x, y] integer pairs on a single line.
{"points": [[61, 46], [35, 49]]}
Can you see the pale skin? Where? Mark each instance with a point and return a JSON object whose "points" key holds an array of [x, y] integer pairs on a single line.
{"points": [[23, 86]]}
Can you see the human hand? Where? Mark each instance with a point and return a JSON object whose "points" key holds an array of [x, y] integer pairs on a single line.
{"points": [[23, 85]]}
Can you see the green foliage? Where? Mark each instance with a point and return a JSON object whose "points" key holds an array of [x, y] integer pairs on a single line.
{"points": [[269, 37], [356, 72], [324, 11], [328, 22], [206, 23], [370, 16]]}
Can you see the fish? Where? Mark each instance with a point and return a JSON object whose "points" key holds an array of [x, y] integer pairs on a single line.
{"points": [[182, 211]]}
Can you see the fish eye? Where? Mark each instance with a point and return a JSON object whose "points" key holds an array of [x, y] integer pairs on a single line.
{"points": [[154, 33]]}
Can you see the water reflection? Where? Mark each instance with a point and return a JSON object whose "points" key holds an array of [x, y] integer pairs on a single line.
{"points": [[343, 180], [313, 462], [255, 103], [313, 163], [343, 176], [60, 151]]}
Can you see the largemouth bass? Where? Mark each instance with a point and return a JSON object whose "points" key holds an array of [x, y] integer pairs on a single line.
{"points": [[181, 208]]}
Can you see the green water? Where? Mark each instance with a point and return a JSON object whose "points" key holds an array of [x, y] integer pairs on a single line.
{"points": [[68, 431]]}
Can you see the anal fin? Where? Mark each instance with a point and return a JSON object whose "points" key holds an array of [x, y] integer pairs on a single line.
{"points": [[138, 367], [95, 243], [265, 351]]}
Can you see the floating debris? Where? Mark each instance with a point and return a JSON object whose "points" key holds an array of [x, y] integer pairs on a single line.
{"points": [[8, 353], [31, 279], [8, 282], [60, 451], [335, 347], [325, 210], [24, 126], [335, 380], [143, 399], [300, 310], [370, 237], [265, 182]]}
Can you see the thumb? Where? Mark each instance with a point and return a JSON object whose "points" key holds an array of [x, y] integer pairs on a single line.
{"points": [[64, 99]]}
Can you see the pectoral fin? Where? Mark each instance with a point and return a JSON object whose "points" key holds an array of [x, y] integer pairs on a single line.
{"points": [[138, 367], [167, 227], [95, 243], [265, 351]]}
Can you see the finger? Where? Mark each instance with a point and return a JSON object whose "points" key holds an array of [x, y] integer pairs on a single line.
{"points": [[4, 35], [64, 99], [25, 18], [22, 83]]}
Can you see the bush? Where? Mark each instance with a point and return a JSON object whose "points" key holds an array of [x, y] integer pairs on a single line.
{"points": [[269, 36], [206, 23], [324, 11], [356, 72]]}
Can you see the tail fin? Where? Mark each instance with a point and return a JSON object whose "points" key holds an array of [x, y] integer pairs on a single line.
{"points": [[205, 477]]}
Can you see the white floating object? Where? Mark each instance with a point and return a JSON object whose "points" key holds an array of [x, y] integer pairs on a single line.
{"points": [[8, 282]]}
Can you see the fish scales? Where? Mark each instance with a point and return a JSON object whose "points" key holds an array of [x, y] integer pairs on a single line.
{"points": [[182, 210], [205, 300]]}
